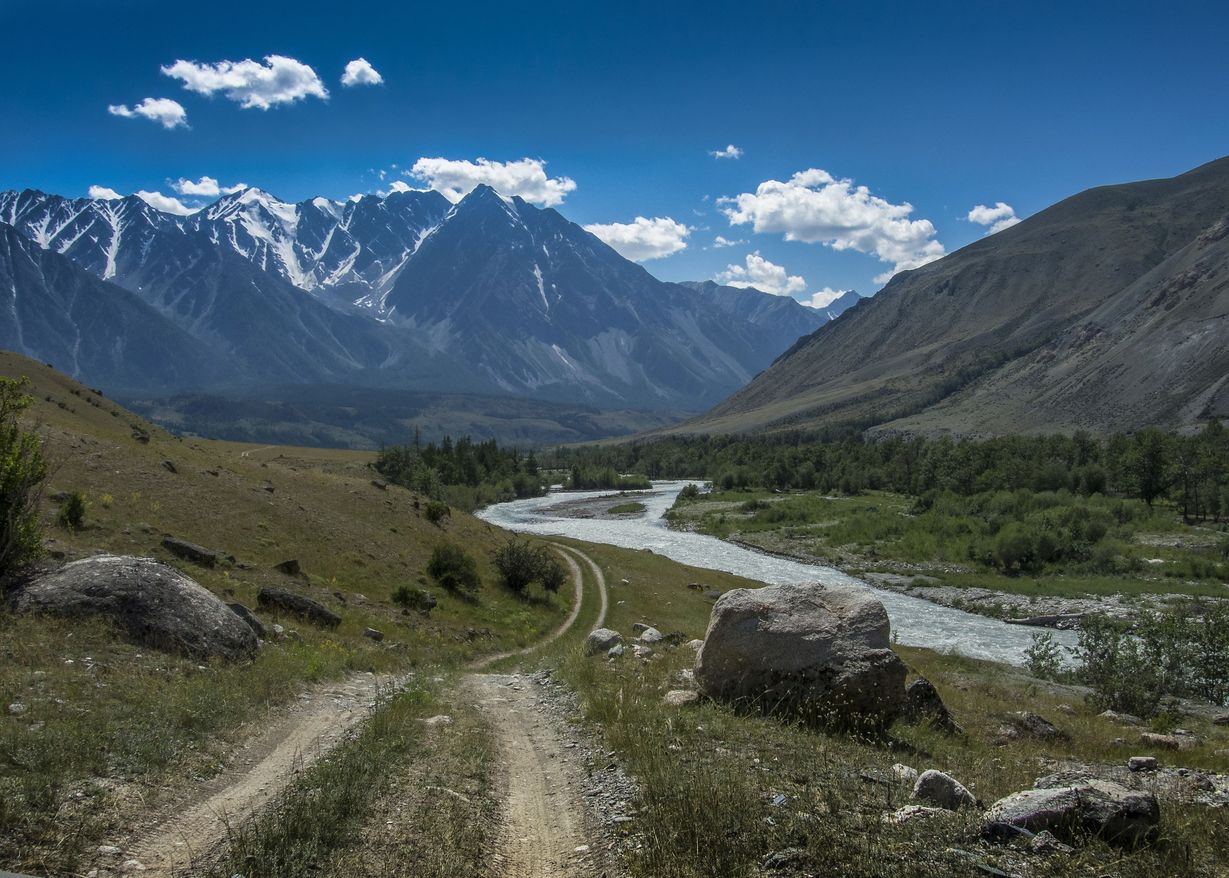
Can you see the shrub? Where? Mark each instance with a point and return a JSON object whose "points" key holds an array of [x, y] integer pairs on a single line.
{"points": [[23, 469], [454, 569], [691, 491], [1043, 658], [1118, 668], [520, 564], [72, 511], [435, 511], [413, 598]]}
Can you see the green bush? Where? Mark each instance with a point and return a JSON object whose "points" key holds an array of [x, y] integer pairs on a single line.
{"points": [[454, 569], [72, 511], [414, 598], [1043, 658], [520, 564], [23, 470], [435, 511]]}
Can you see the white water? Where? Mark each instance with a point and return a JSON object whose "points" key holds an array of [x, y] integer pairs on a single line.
{"points": [[915, 622]]}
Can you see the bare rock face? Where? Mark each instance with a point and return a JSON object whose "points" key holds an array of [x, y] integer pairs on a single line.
{"points": [[817, 651], [156, 605]]}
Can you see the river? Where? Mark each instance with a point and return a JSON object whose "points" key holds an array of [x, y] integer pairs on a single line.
{"points": [[915, 622]]}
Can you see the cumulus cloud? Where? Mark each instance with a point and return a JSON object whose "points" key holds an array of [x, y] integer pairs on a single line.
{"points": [[730, 152], [815, 207], [205, 186], [360, 72], [1001, 216], [164, 111], [643, 238], [719, 242], [279, 80], [166, 203], [823, 298], [400, 186], [105, 193], [763, 275], [526, 178]]}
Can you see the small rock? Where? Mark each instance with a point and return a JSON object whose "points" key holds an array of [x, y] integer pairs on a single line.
{"points": [[17, 708], [913, 812], [788, 858], [642, 652], [437, 721], [169, 466], [1065, 708], [615, 651], [602, 640], [290, 567], [279, 632], [923, 704], [379, 483], [1033, 726], [109, 850], [904, 773], [1142, 763], [1162, 742], [373, 634], [1124, 719], [248, 616], [131, 866], [681, 697], [694, 644], [297, 604], [651, 635], [942, 790], [637, 627], [1044, 843]]}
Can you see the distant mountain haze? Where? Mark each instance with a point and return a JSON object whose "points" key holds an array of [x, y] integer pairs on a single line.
{"points": [[1107, 311]]}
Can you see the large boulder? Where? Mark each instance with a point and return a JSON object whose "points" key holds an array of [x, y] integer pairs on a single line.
{"points": [[298, 605], [817, 651], [156, 605], [1071, 808], [942, 791]]}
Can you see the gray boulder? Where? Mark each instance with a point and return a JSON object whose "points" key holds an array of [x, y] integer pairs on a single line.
{"points": [[923, 704], [815, 651], [602, 640], [198, 555], [1088, 806], [1030, 725], [651, 635], [249, 617], [942, 791], [155, 605], [297, 605]]}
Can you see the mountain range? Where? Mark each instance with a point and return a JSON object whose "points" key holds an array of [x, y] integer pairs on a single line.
{"points": [[1107, 311], [407, 291]]}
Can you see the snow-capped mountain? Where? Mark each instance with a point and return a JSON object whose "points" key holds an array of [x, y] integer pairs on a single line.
{"points": [[488, 295]]}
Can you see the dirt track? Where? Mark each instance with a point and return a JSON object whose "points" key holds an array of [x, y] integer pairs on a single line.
{"points": [[268, 764]]}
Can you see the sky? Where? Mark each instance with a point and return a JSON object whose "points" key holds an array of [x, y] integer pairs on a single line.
{"points": [[803, 148]]}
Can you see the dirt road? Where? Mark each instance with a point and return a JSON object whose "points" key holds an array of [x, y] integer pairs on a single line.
{"points": [[269, 762]]}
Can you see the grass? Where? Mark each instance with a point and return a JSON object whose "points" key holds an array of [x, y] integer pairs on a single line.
{"points": [[626, 509], [1136, 551], [710, 776], [107, 724]]}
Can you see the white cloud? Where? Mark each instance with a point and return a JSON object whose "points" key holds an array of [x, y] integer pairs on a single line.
{"points": [[730, 152], [164, 111], [400, 186], [166, 203], [205, 186], [104, 192], [360, 72], [823, 298], [1001, 216], [763, 275], [815, 207], [643, 238], [280, 80], [719, 242], [526, 178]]}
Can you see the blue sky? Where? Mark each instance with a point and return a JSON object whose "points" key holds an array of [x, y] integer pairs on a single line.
{"points": [[942, 106]]}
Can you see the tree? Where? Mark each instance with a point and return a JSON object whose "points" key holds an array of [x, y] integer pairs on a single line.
{"points": [[23, 470], [1148, 464], [520, 564], [454, 569]]}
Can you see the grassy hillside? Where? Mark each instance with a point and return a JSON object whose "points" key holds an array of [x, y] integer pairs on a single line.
{"points": [[104, 725]]}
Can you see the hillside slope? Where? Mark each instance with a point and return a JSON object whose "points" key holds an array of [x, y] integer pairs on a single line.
{"points": [[1107, 311]]}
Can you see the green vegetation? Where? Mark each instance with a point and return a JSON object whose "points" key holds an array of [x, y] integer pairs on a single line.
{"points": [[23, 469], [626, 509], [521, 563], [602, 478], [72, 511], [464, 474], [454, 569], [721, 791]]}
